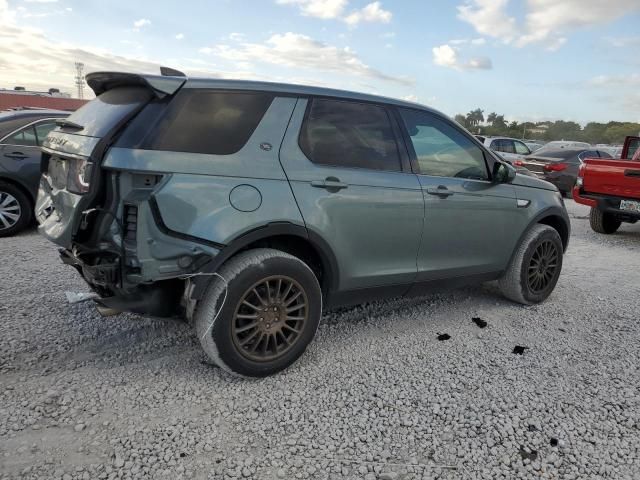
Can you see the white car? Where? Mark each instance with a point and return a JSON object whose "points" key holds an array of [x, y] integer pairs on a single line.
{"points": [[568, 144], [508, 148]]}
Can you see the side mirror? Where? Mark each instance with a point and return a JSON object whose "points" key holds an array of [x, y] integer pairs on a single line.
{"points": [[503, 172]]}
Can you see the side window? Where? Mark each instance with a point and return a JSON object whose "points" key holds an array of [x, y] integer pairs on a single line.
{"points": [[349, 134], [521, 148], [588, 154], [208, 121], [441, 149], [604, 154], [634, 145], [497, 146], [26, 137], [43, 129]]}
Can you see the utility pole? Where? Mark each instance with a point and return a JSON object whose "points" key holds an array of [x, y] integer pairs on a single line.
{"points": [[80, 79]]}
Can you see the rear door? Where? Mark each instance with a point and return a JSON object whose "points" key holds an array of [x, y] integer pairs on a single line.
{"points": [[20, 152], [355, 189], [471, 224]]}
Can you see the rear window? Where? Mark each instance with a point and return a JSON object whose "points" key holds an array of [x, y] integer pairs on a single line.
{"points": [[104, 112], [556, 153], [198, 121]]}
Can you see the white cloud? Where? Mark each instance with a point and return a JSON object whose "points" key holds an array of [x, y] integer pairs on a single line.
{"points": [[545, 21], [143, 22], [631, 80], [40, 1], [300, 51], [372, 12], [489, 18], [180, 36], [335, 9], [236, 37], [326, 9], [447, 56], [478, 41], [623, 42], [410, 98], [38, 62]]}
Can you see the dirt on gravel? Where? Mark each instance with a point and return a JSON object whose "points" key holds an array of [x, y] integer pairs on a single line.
{"points": [[376, 395]]}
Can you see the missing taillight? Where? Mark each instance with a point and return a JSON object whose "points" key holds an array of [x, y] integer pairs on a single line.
{"points": [[79, 177]]}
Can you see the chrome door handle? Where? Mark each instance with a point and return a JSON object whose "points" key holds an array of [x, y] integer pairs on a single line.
{"points": [[331, 184], [441, 191]]}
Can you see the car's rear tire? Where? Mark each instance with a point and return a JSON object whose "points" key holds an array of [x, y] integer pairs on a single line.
{"points": [[535, 267], [15, 210], [602, 222], [261, 318]]}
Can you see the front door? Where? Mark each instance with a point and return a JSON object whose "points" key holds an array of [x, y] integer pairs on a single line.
{"points": [[346, 170], [471, 223]]}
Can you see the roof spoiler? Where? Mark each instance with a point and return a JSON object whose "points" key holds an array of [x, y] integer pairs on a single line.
{"points": [[161, 85]]}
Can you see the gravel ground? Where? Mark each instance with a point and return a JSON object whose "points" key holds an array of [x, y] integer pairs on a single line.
{"points": [[376, 396]]}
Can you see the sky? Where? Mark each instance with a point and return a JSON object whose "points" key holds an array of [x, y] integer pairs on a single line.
{"points": [[530, 60]]}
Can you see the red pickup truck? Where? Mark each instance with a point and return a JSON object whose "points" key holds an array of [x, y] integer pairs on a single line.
{"points": [[611, 188]]}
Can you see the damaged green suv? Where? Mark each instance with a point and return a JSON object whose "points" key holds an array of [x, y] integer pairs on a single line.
{"points": [[248, 208]]}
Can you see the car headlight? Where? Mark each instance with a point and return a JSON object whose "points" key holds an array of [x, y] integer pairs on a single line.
{"points": [[579, 181]]}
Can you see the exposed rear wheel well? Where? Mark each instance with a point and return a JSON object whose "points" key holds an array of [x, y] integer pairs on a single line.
{"points": [[559, 225], [304, 250]]}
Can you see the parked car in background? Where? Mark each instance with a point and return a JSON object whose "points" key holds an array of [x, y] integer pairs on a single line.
{"points": [[533, 146], [614, 150], [21, 134], [568, 144], [611, 188], [249, 207], [559, 165], [510, 149]]}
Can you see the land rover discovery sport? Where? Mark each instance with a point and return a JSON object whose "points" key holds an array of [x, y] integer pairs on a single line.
{"points": [[249, 208]]}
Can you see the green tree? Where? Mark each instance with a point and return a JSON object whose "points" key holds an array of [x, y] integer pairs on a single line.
{"points": [[461, 119]]}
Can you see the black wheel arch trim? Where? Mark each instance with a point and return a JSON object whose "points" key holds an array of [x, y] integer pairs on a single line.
{"points": [[274, 229], [546, 213]]}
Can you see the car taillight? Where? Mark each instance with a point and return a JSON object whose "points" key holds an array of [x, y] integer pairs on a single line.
{"points": [[79, 175], [518, 163], [555, 167], [580, 178]]}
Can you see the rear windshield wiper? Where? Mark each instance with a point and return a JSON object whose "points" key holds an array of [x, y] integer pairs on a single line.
{"points": [[63, 122]]}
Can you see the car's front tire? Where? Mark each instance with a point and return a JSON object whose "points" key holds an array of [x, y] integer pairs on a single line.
{"points": [[261, 317], [535, 266], [602, 222], [15, 210]]}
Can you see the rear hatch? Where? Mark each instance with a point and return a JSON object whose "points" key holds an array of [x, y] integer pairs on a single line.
{"points": [[619, 178], [72, 182]]}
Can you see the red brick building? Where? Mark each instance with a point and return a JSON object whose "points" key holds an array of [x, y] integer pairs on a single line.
{"points": [[23, 98]]}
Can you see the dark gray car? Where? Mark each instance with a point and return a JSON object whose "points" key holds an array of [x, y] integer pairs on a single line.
{"points": [[21, 134], [248, 208], [560, 165]]}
